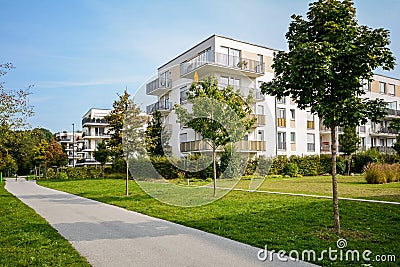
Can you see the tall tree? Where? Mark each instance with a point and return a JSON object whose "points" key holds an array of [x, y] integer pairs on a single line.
{"points": [[349, 142], [329, 58], [220, 115], [14, 104]]}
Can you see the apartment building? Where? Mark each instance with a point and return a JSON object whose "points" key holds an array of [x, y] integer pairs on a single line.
{"points": [[71, 143], [281, 128], [374, 135], [95, 130]]}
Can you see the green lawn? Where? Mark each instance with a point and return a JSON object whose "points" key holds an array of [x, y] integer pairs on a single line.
{"points": [[348, 186], [259, 219], [26, 239]]}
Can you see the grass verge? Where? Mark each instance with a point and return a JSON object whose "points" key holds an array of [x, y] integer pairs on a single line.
{"points": [[28, 240], [280, 222]]}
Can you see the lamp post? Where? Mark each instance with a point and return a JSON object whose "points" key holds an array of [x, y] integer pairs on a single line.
{"points": [[73, 145]]}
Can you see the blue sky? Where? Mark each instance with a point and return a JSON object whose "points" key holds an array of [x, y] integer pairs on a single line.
{"points": [[79, 54]]}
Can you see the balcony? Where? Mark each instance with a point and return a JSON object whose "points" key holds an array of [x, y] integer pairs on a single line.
{"points": [[94, 121], [244, 146], [393, 113], [158, 86], [383, 131], [310, 125], [215, 61], [281, 122], [163, 107], [384, 149], [261, 119]]}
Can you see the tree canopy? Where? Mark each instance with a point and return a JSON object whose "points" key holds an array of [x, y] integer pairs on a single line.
{"points": [[330, 57]]}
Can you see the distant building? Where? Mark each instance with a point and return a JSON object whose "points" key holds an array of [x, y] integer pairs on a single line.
{"points": [[95, 130], [71, 143]]}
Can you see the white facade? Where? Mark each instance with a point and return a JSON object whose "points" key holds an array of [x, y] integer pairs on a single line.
{"points": [[281, 129], [95, 130], [71, 143]]}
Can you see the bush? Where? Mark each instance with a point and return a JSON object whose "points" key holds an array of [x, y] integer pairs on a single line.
{"points": [[50, 174], [62, 176], [291, 169], [278, 164], [382, 173], [360, 160]]}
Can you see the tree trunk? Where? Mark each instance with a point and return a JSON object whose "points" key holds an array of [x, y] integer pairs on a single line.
{"points": [[349, 167], [214, 171], [127, 179], [334, 181]]}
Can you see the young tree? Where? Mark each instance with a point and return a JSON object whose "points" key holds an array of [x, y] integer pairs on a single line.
{"points": [[133, 135], [102, 154], [14, 104], [349, 142], [116, 120], [329, 58], [219, 115]]}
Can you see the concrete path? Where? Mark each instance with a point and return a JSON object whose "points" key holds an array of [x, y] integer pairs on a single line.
{"points": [[110, 236]]}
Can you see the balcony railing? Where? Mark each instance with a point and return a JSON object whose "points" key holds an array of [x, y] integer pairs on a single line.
{"points": [[281, 122], [393, 112], [224, 60], [94, 120], [158, 83], [384, 149], [161, 106], [261, 119], [384, 130], [310, 125], [241, 146]]}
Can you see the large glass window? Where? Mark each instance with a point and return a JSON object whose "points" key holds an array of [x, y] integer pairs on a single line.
{"points": [[310, 142], [281, 113]]}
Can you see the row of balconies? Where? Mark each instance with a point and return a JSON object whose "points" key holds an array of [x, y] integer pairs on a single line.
{"points": [[249, 146]]}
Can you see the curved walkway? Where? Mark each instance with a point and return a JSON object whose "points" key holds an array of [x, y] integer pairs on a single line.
{"points": [[111, 236]]}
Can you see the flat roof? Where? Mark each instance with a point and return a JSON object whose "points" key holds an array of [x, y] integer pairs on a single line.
{"points": [[212, 36]]}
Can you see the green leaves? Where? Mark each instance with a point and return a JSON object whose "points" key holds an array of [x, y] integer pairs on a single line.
{"points": [[329, 55]]}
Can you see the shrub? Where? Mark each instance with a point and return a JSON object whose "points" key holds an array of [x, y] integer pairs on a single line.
{"points": [[360, 160], [50, 174], [382, 173], [278, 164], [291, 169], [62, 176]]}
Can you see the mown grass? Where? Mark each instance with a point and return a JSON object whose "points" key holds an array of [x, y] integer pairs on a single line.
{"points": [[259, 219], [26, 239]]}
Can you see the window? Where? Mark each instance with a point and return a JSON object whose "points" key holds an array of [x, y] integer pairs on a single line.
{"points": [[232, 81], [260, 135], [260, 63], [292, 137], [311, 142], [382, 87], [366, 85], [281, 113], [229, 56], [281, 100], [391, 90], [292, 114], [183, 94], [260, 109], [392, 105], [362, 129], [281, 140]]}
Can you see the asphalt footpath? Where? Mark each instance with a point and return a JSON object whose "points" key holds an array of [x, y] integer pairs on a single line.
{"points": [[111, 236]]}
